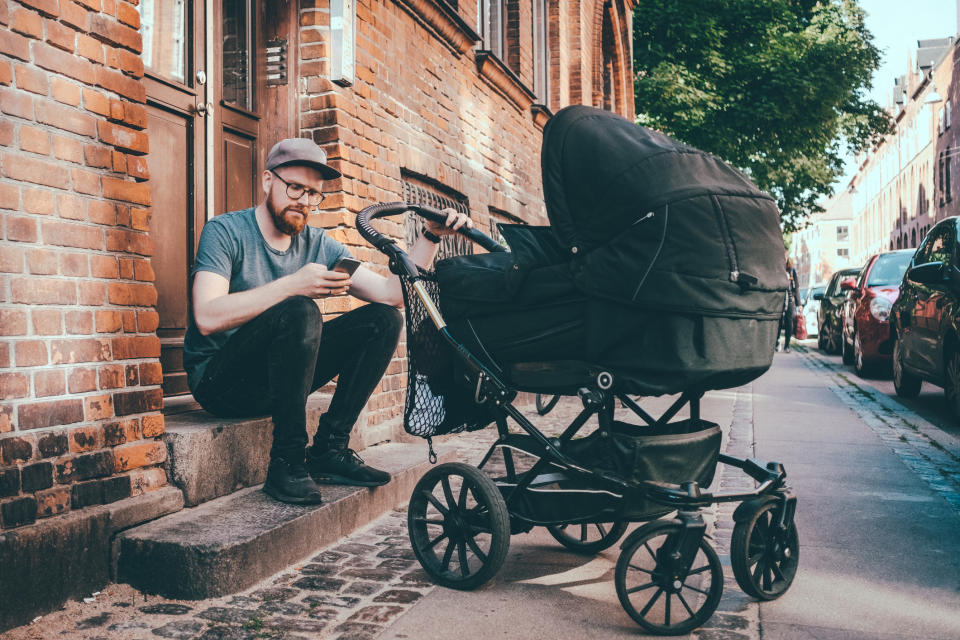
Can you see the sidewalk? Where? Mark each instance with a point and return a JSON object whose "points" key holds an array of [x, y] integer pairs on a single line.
{"points": [[878, 517]]}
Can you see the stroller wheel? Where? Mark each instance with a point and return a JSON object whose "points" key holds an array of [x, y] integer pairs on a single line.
{"points": [[763, 555], [545, 404], [588, 538], [654, 587], [459, 525]]}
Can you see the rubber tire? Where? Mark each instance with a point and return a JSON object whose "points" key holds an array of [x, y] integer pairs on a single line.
{"points": [[845, 352], [493, 512], [905, 383], [740, 554], [544, 405], [822, 341], [862, 369], [953, 382], [638, 540], [607, 540]]}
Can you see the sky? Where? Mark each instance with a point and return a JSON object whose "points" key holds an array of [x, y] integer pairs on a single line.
{"points": [[896, 26]]}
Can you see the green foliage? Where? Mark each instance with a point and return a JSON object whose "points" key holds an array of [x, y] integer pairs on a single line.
{"points": [[774, 87]]}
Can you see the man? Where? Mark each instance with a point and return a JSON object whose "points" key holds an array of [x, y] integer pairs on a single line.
{"points": [[256, 342]]}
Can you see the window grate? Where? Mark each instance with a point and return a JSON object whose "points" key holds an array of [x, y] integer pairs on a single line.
{"points": [[416, 191]]}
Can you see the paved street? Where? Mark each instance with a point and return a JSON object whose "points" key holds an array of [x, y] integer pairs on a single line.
{"points": [[878, 516]]}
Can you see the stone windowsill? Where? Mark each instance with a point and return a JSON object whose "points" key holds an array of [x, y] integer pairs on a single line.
{"points": [[444, 22], [541, 115], [503, 79]]}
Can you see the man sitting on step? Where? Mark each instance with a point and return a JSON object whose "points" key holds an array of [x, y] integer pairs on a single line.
{"points": [[256, 342]]}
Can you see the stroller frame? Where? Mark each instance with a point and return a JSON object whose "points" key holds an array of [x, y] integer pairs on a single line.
{"points": [[477, 522]]}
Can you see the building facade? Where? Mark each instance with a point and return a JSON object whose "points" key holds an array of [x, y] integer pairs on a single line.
{"points": [[126, 125], [824, 246]]}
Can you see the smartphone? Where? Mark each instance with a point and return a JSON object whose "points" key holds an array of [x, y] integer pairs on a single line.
{"points": [[346, 265]]}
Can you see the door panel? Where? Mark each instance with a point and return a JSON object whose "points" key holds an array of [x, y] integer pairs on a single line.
{"points": [[239, 170]]}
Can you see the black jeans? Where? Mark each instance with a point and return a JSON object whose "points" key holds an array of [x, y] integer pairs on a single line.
{"points": [[273, 362]]}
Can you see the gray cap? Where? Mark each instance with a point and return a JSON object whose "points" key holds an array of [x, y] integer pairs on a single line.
{"points": [[300, 151]]}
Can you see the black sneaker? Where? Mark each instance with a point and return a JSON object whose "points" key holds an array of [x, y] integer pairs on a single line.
{"points": [[290, 482], [344, 466]]}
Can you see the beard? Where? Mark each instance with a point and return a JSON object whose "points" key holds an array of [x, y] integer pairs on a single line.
{"points": [[286, 220]]}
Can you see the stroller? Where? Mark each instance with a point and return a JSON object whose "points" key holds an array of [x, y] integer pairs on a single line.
{"points": [[661, 273]]}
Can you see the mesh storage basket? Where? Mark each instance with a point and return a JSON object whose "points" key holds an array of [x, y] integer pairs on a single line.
{"points": [[439, 398]]}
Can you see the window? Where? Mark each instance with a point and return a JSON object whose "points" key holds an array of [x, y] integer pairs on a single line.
{"points": [[941, 121], [938, 246], [843, 252], [419, 190], [238, 67], [946, 176], [491, 23], [541, 52], [843, 233], [947, 117]]}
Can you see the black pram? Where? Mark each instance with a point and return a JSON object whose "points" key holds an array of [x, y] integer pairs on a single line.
{"points": [[661, 273]]}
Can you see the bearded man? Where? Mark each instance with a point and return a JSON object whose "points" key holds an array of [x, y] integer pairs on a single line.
{"points": [[256, 342]]}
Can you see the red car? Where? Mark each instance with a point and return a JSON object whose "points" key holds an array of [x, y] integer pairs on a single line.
{"points": [[866, 311]]}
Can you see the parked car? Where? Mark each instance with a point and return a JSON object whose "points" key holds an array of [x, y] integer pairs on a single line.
{"points": [[811, 307], [829, 320], [866, 310], [926, 318]]}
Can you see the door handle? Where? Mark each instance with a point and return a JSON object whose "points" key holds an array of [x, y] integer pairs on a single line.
{"points": [[203, 108]]}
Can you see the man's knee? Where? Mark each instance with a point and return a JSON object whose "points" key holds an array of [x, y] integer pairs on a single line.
{"points": [[298, 316], [389, 319]]}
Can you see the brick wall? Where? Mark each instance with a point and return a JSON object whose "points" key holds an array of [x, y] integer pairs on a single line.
{"points": [[79, 369], [420, 106]]}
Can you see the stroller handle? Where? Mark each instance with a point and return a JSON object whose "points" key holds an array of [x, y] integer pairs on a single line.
{"points": [[386, 209]]}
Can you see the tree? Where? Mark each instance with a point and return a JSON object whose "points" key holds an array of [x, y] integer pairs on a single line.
{"points": [[774, 87]]}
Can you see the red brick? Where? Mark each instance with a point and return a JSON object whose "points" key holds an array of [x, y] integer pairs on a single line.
{"points": [[47, 322], [21, 229], [73, 14], [91, 293], [120, 84], [118, 160], [6, 72], [103, 266], [143, 271], [9, 196], [96, 102], [71, 207], [42, 261], [147, 321], [97, 407], [4, 13], [34, 140], [89, 48], [66, 118], [140, 295], [136, 347], [31, 79], [15, 45], [96, 156], [49, 383], [43, 291], [13, 322], [65, 91], [112, 32], [58, 61], [40, 201], [151, 373], [35, 171], [129, 321], [111, 377], [144, 453], [129, 242], [86, 182], [30, 353], [14, 450], [136, 166], [81, 380], [71, 234], [108, 321], [11, 260], [135, 115], [53, 501], [4, 357], [49, 414], [61, 36], [126, 268], [14, 385], [109, 7], [122, 137], [117, 433], [123, 220], [132, 402], [128, 191], [80, 350], [29, 23], [128, 15], [74, 265], [153, 426], [79, 322], [86, 438], [15, 103], [46, 7], [67, 149], [102, 212]]}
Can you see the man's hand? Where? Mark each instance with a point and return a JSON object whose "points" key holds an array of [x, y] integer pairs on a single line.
{"points": [[455, 220], [316, 281]]}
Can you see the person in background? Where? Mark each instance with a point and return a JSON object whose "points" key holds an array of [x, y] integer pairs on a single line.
{"points": [[256, 342], [791, 303]]}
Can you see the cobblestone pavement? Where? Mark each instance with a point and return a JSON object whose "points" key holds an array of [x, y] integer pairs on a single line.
{"points": [[895, 425], [356, 588]]}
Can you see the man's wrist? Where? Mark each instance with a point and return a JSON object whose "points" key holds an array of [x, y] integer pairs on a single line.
{"points": [[429, 235]]}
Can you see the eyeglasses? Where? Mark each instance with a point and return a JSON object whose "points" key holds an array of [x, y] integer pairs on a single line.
{"points": [[295, 192]]}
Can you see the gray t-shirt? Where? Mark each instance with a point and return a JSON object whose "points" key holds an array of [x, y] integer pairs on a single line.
{"points": [[231, 245]]}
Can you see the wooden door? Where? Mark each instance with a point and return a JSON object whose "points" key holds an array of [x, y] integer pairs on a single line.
{"points": [[177, 87]]}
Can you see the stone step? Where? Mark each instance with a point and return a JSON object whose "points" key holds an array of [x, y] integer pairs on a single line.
{"points": [[210, 457], [226, 545]]}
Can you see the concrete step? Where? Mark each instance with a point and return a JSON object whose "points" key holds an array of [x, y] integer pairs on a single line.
{"points": [[210, 457], [228, 544]]}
